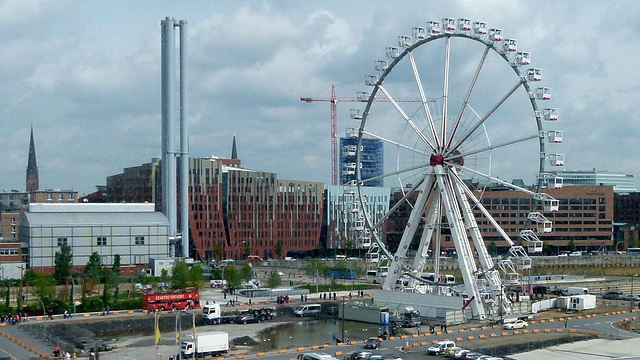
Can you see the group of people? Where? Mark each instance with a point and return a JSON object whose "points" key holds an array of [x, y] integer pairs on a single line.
{"points": [[61, 354], [282, 299], [432, 328], [15, 319]]}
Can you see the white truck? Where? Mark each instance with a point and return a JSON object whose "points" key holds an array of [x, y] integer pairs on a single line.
{"points": [[577, 291], [211, 314], [212, 343]]}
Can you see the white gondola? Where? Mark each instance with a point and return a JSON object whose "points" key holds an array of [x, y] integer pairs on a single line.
{"points": [[434, 28], [356, 114], [370, 80], [545, 227], [557, 182], [554, 136], [404, 41], [521, 58], [362, 96], [556, 159], [495, 35], [534, 74], [551, 181], [509, 45], [380, 65], [419, 33], [392, 52], [543, 93], [552, 205], [464, 25], [480, 28], [359, 225], [349, 150], [449, 25], [534, 245], [349, 169], [550, 114]]}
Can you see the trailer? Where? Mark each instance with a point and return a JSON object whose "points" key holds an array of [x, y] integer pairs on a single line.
{"points": [[213, 343], [582, 302]]}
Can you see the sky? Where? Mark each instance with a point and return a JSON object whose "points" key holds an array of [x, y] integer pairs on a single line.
{"points": [[86, 76]]}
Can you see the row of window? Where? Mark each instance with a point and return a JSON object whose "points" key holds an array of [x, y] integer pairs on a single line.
{"points": [[9, 252], [101, 241]]}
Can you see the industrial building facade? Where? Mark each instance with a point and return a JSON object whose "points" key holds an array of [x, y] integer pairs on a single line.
{"points": [[134, 231]]}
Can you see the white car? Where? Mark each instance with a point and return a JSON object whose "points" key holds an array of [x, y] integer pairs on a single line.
{"points": [[518, 324], [440, 347]]}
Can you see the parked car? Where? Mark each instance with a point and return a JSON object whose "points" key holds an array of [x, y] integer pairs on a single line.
{"points": [[630, 297], [451, 350], [576, 253], [540, 289], [459, 354], [472, 356], [372, 343], [612, 295], [248, 319], [361, 355], [518, 324], [558, 292], [440, 347]]}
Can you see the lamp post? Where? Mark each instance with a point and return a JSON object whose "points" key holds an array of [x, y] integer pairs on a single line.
{"points": [[631, 302], [235, 251], [44, 323]]}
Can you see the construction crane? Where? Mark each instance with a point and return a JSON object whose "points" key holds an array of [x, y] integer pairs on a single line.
{"points": [[334, 100]]}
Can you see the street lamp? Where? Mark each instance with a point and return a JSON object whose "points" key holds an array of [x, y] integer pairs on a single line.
{"points": [[631, 302], [235, 251]]}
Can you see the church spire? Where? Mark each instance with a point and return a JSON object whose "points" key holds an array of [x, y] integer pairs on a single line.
{"points": [[234, 150], [33, 181]]}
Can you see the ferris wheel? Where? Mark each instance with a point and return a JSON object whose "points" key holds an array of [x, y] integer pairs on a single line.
{"points": [[479, 122]]}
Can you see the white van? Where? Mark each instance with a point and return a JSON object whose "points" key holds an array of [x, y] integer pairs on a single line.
{"points": [[577, 291], [308, 310], [315, 356]]}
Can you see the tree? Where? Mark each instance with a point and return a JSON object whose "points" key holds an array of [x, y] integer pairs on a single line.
{"points": [[217, 251], [246, 272], [232, 275], [93, 273], [632, 242], [115, 275], [62, 264], [179, 278], [320, 249], [164, 276], [492, 247], [278, 249], [195, 276], [43, 287], [348, 248], [572, 245], [274, 279]]}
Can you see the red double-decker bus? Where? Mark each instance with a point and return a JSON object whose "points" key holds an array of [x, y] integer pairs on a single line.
{"points": [[180, 299]]}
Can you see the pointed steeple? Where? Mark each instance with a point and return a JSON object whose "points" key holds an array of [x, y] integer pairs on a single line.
{"points": [[33, 181], [234, 150]]}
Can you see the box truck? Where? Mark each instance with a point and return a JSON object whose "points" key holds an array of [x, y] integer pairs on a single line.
{"points": [[211, 343]]}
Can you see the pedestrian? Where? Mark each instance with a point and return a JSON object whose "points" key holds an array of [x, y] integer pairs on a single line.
{"points": [[418, 329], [565, 323]]}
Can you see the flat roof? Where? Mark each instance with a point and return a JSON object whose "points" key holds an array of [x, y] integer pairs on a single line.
{"points": [[91, 207]]}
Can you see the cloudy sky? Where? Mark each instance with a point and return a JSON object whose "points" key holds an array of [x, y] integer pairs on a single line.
{"points": [[86, 75]]}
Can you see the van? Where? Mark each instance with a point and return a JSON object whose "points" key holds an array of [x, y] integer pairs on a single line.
{"points": [[315, 356], [308, 310], [577, 291]]}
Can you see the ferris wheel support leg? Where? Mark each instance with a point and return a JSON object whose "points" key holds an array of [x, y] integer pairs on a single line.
{"points": [[458, 233], [427, 234], [395, 270]]}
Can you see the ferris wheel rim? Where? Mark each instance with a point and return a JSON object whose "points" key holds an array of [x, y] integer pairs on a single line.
{"points": [[378, 86]]}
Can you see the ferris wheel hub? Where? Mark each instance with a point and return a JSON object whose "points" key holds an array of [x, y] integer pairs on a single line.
{"points": [[436, 160]]}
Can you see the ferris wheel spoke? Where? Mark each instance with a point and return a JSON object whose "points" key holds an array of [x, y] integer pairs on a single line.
{"points": [[481, 207], [383, 139], [489, 177], [491, 147], [398, 172], [427, 111], [445, 89], [406, 117], [466, 99], [486, 117]]}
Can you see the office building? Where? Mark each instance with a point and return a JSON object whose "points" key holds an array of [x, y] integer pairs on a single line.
{"points": [[372, 159], [621, 183]]}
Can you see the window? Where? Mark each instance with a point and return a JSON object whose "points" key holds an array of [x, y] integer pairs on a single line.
{"points": [[60, 196], [139, 240], [71, 197], [62, 241], [101, 241], [49, 197]]}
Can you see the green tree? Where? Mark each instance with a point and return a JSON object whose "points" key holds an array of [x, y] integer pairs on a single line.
{"points": [[179, 277], [43, 287], [195, 276], [348, 248], [217, 251], [115, 275], [492, 247], [62, 264], [274, 279], [232, 275], [572, 245], [246, 272], [92, 272], [164, 276], [320, 249], [632, 242], [278, 249]]}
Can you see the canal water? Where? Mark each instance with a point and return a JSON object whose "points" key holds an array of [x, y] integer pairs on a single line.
{"points": [[306, 333]]}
